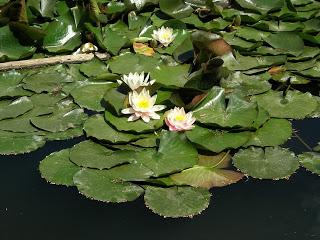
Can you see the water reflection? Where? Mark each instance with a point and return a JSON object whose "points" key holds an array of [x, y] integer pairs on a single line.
{"points": [[252, 210]]}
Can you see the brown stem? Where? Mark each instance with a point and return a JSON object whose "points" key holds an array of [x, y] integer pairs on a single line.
{"points": [[34, 63]]}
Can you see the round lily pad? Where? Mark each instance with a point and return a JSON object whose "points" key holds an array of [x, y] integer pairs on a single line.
{"points": [[269, 163], [295, 104], [97, 185], [57, 168], [311, 161], [177, 201]]}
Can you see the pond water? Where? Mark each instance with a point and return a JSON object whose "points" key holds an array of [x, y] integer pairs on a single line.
{"points": [[251, 210]]}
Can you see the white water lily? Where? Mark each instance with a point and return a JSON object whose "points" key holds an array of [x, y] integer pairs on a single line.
{"points": [[138, 3], [142, 106], [164, 35], [86, 48], [136, 80], [178, 120]]}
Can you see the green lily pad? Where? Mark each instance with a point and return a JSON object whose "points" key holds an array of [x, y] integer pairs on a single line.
{"points": [[63, 118], [93, 155], [175, 153], [10, 48], [57, 169], [214, 110], [139, 126], [93, 68], [108, 38], [97, 185], [15, 108], [44, 8], [130, 172], [90, 95], [294, 79], [171, 76], [311, 161], [177, 201], [134, 63], [294, 105], [114, 100], [273, 133], [62, 35], [261, 6], [215, 140], [10, 85], [176, 9], [97, 127], [278, 26], [239, 62], [251, 34], [313, 72], [249, 85], [268, 163], [287, 42], [65, 135], [46, 81], [16, 143]]}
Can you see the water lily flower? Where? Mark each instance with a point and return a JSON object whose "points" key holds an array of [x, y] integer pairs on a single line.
{"points": [[138, 3], [136, 80], [86, 48], [178, 120], [164, 35], [142, 106]]}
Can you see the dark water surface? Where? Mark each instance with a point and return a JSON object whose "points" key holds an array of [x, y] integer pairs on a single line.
{"points": [[251, 210]]}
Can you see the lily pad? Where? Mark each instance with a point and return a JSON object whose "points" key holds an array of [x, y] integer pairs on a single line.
{"points": [[311, 161], [15, 108], [176, 9], [97, 184], [262, 6], [206, 177], [177, 201], [247, 84], [268, 163], [175, 153], [294, 105], [133, 62], [10, 85], [97, 127], [62, 119], [10, 48], [93, 155], [16, 143], [139, 126], [171, 76], [286, 41], [273, 133], [90, 95], [214, 110], [215, 140], [57, 169], [62, 35]]}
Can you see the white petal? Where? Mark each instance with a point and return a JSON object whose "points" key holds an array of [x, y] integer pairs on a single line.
{"points": [[127, 111], [132, 118], [145, 118]]}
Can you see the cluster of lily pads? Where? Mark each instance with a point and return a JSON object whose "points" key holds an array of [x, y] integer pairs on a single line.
{"points": [[196, 95]]}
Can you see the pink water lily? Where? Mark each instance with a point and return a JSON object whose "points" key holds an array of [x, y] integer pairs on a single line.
{"points": [[178, 120]]}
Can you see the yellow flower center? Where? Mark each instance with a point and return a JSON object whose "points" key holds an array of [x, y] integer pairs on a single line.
{"points": [[166, 35], [180, 118], [143, 103]]}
